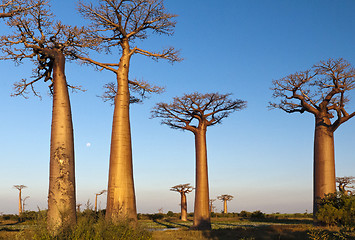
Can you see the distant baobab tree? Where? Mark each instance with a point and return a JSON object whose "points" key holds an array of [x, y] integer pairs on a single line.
{"points": [[10, 8], [49, 44], [78, 207], [324, 92], [225, 198], [23, 202], [344, 183], [183, 189], [195, 112], [118, 25], [212, 207], [19, 188], [98, 194]]}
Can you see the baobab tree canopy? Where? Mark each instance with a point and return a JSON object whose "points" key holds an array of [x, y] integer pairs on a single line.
{"points": [[9, 8], [322, 90], [208, 108], [38, 37], [225, 197], [182, 188]]}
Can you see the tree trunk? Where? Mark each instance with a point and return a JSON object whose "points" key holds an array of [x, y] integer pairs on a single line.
{"points": [[61, 196], [19, 203], [121, 200], [95, 202], [225, 206], [183, 207], [201, 211], [324, 163]]}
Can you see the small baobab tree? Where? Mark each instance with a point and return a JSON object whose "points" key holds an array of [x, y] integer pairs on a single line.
{"points": [[322, 91], [19, 188], [98, 194], [24, 202], [183, 189], [225, 198], [117, 25], [344, 183], [205, 110], [212, 207], [49, 44]]}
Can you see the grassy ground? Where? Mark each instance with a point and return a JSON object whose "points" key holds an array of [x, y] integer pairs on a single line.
{"points": [[223, 228]]}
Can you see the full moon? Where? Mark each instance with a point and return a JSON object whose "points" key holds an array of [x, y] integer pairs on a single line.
{"points": [[88, 144]]}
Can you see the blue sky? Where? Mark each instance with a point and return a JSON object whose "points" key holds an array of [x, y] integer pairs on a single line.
{"points": [[261, 157]]}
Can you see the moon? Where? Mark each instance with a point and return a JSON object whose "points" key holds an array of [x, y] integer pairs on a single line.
{"points": [[88, 144]]}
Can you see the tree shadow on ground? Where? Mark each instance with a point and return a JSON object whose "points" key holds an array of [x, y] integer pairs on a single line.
{"points": [[283, 221], [260, 233]]}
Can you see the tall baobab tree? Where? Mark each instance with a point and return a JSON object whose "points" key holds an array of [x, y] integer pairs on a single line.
{"points": [[19, 188], [205, 110], [345, 182], [322, 91], [116, 25], [10, 8], [183, 189], [98, 194], [49, 45], [225, 198]]}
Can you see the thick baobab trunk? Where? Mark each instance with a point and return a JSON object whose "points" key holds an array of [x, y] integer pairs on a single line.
{"points": [[324, 163], [201, 211], [19, 203], [225, 206], [121, 200], [183, 207], [61, 196]]}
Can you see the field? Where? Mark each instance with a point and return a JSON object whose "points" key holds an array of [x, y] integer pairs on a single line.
{"points": [[224, 227]]}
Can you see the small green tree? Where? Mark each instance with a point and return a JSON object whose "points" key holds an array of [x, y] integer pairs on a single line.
{"points": [[337, 209]]}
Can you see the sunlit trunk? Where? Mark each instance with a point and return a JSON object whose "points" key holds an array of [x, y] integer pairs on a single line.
{"points": [[324, 163], [225, 206], [121, 201], [19, 203], [183, 207], [61, 196], [201, 211], [96, 202]]}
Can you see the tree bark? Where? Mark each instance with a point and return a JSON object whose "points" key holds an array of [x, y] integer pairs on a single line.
{"points": [[183, 207], [201, 210], [324, 161], [121, 200], [61, 197], [225, 206], [19, 203]]}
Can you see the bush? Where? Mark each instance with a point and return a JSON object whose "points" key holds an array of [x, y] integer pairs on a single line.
{"points": [[337, 209], [257, 214], [170, 214], [89, 227], [244, 214]]}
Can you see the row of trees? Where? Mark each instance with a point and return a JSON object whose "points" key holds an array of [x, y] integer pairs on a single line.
{"points": [[114, 25]]}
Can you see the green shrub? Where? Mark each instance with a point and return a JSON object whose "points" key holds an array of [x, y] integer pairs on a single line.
{"points": [[257, 214], [89, 227], [245, 214], [337, 209], [170, 214]]}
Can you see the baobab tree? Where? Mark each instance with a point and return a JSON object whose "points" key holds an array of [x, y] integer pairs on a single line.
{"points": [[344, 183], [19, 188], [49, 45], [225, 198], [98, 194], [117, 25], [183, 189], [23, 202], [212, 207], [205, 110], [322, 91]]}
